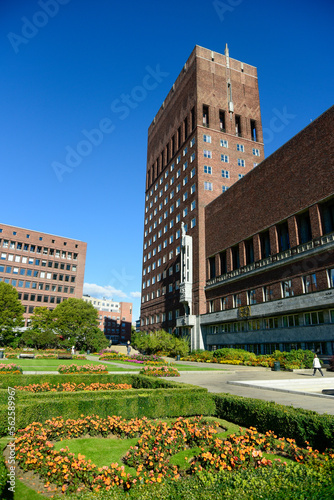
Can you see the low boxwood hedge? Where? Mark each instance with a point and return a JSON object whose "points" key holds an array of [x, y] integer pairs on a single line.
{"points": [[285, 421], [153, 398]]}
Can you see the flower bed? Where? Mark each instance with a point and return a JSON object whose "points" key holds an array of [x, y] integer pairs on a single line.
{"points": [[72, 387], [157, 443], [11, 355], [159, 371], [10, 369], [82, 369], [46, 356]]}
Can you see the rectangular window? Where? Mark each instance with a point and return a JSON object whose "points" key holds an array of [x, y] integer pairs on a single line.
{"points": [[193, 205], [207, 138], [206, 116], [192, 158], [226, 174], [268, 293], [224, 188], [207, 153], [193, 222], [222, 121], [256, 152], [193, 189], [223, 143], [253, 130], [265, 244], [224, 158], [241, 163], [310, 283], [238, 131], [237, 300], [240, 176], [192, 142], [304, 227], [283, 236], [207, 170], [251, 297], [235, 257], [287, 290], [331, 278], [240, 147], [208, 186]]}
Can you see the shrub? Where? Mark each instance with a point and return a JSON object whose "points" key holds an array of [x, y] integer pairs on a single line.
{"points": [[296, 423], [82, 369], [10, 369], [159, 371]]}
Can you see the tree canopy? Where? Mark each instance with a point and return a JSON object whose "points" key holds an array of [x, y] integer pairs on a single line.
{"points": [[11, 313]]}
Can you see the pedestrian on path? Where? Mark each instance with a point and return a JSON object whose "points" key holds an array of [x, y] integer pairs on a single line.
{"points": [[128, 349], [316, 365]]}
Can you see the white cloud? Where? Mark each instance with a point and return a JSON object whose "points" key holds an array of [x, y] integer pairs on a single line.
{"points": [[102, 291], [135, 294]]}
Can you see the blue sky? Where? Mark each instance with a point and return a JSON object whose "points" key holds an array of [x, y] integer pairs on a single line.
{"points": [[66, 65]]}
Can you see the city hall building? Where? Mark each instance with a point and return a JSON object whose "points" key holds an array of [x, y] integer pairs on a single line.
{"points": [[238, 250]]}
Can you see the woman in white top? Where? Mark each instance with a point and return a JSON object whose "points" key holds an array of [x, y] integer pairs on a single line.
{"points": [[316, 365]]}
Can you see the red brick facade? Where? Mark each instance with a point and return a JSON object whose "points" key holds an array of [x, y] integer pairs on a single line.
{"points": [[206, 134], [45, 269]]}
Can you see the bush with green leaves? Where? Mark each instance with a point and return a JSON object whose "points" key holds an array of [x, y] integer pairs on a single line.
{"points": [[295, 482], [160, 342]]}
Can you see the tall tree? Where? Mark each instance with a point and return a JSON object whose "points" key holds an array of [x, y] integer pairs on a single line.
{"points": [[41, 334], [74, 320], [11, 314]]}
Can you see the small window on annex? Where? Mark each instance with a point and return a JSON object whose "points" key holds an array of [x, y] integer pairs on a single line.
{"points": [[304, 227], [283, 236], [212, 267]]}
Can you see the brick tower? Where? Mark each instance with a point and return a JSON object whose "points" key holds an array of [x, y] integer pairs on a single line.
{"points": [[205, 137]]}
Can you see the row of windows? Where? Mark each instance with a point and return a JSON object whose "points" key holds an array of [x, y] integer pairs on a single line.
{"points": [[225, 158], [15, 245], [237, 125], [208, 186], [52, 299], [288, 321], [169, 240], [304, 235], [171, 148], [37, 286], [36, 262], [159, 318], [172, 192], [275, 291], [177, 234], [36, 274]]}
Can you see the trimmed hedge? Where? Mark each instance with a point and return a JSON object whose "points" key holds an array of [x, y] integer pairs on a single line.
{"points": [[285, 421], [152, 398]]}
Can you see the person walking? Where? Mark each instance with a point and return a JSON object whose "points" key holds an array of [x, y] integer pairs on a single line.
{"points": [[128, 349], [316, 365]]}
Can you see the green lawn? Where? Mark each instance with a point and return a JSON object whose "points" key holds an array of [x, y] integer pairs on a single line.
{"points": [[101, 451], [52, 364]]}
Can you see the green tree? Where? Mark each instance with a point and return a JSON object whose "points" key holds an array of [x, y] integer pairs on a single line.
{"points": [[95, 340], [41, 333], [11, 314], [74, 320]]}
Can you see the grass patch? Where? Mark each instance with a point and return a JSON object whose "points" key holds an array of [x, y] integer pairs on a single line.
{"points": [[101, 451], [52, 364]]}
